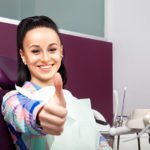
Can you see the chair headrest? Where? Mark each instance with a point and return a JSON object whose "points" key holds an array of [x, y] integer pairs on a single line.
{"points": [[8, 72]]}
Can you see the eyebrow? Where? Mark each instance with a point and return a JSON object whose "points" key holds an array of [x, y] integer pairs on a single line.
{"points": [[34, 46], [37, 46]]}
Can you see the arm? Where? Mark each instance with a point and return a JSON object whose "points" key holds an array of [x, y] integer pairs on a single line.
{"points": [[20, 112]]}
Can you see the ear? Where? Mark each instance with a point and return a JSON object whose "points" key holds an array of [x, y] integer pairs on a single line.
{"points": [[62, 53], [22, 56]]}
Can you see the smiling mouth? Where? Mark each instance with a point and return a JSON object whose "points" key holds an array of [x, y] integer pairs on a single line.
{"points": [[45, 67]]}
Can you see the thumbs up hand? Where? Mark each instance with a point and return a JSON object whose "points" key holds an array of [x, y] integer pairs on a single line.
{"points": [[52, 115]]}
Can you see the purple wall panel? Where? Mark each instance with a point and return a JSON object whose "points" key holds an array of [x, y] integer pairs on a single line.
{"points": [[88, 62], [7, 40], [89, 65]]}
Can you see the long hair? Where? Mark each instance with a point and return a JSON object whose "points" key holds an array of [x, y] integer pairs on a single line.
{"points": [[24, 26]]}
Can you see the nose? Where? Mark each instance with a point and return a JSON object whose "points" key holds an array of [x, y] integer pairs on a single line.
{"points": [[45, 57]]}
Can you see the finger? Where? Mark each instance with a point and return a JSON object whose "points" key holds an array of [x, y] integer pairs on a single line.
{"points": [[58, 84], [51, 127], [55, 109], [52, 119], [59, 96], [51, 132]]}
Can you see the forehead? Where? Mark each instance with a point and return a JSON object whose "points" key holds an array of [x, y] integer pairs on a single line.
{"points": [[41, 34]]}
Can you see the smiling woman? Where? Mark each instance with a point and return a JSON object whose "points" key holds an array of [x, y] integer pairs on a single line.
{"points": [[39, 112], [38, 41], [42, 53]]}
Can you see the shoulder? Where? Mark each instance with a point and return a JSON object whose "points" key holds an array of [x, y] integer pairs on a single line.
{"points": [[9, 98], [10, 94], [14, 93]]}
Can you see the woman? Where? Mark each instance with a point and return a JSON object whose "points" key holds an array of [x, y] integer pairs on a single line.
{"points": [[40, 113]]}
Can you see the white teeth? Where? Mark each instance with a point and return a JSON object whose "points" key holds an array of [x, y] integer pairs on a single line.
{"points": [[45, 67]]}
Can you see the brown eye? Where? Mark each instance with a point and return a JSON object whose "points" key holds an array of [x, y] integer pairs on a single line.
{"points": [[35, 51], [52, 50]]}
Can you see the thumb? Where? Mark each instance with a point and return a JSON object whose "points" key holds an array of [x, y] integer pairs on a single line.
{"points": [[59, 96]]}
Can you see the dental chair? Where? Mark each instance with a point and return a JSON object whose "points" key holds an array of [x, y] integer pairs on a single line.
{"points": [[8, 74]]}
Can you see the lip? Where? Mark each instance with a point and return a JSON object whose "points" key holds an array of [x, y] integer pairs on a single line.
{"points": [[45, 68]]}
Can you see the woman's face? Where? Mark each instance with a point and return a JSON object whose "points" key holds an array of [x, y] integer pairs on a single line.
{"points": [[42, 53]]}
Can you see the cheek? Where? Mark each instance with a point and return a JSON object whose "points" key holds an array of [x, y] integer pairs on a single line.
{"points": [[58, 58], [31, 61], [32, 58]]}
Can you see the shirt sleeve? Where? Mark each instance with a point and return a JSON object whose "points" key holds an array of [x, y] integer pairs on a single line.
{"points": [[21, 112]]}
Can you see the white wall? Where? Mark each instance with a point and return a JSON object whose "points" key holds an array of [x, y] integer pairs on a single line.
{"points": [[128, 27]]}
